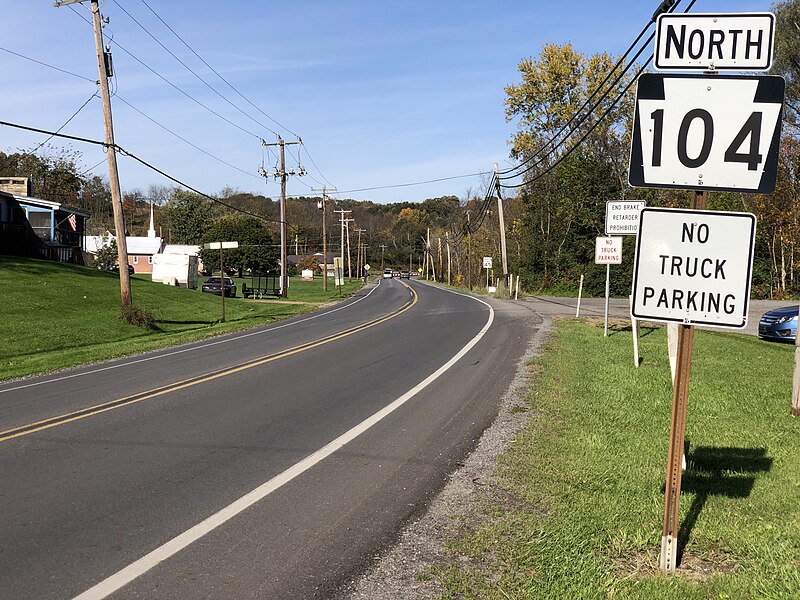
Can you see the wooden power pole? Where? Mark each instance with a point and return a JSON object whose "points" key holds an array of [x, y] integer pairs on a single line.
{"points": [[322, 206], [284, 175], [111, 152], [502, 226]]}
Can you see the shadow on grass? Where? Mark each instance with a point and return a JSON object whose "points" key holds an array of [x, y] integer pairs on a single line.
{"points": [[729, 472], [643, 331]]}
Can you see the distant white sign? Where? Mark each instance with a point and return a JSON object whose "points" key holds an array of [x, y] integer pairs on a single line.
{"points": [[622, 216], [693, 267], [487, 262], [220, 245], [608, 250], [739, 41]]}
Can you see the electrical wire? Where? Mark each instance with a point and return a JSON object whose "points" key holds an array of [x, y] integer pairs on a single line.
{"points": [[124, 152], [44, 64], [667, 5], [217, 73], [192, 71], [586, 102], [75, 114], [596, 123], [205, 82], [401, 185], [183, 139], [174, 86]]}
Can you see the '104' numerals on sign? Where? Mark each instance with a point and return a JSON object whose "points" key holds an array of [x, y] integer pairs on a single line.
{"points": [[706, 132]]}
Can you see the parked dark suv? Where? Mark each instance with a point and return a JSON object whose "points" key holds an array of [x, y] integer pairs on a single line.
{"points": [[215, 285]]}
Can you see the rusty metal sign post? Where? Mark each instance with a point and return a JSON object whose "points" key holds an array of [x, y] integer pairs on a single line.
{"points": [[668, 560]]}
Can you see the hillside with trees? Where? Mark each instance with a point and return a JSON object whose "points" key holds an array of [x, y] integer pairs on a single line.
{"points": [[553, 209]]}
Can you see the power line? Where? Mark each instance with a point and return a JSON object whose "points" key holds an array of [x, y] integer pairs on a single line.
{"points": [[666, 5], [44, 64], [188, 68], [217, 73], [122, 150], [174, 86], [580, 141], [75, 114], [198, 148], [400, 185]]}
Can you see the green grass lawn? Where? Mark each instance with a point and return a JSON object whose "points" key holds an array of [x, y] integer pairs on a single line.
{"points": [[54, 315], [577, 509]]}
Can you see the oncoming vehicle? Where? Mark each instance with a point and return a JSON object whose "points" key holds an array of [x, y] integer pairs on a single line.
{"points": [[405, 275], [387, 273], [215, 285], [779, 324]]}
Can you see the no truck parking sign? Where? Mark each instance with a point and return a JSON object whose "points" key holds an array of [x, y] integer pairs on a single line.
{"points": [[693, 267]]}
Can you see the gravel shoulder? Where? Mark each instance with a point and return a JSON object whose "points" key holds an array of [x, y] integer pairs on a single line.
{"points": [[396, 574]]}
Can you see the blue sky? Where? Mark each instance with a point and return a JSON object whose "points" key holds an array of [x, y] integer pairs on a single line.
{"points": [[382, 93]]}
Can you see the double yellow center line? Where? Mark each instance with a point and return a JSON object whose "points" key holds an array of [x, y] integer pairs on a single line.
{"points": [[186, 383]]}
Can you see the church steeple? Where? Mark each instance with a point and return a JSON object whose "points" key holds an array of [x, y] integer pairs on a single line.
{"points": [[151, 233]]}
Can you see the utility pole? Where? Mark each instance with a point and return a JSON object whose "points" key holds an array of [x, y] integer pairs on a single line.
{"points": [[321, 206], [440, 257], [383, 247], [447, 241], [341, 248], [283, 174], [111, 151], [347, 234], [359, 264], [502, 225], [469, 252]]}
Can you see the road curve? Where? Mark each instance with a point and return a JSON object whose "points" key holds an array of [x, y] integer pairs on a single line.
{"points": [[271, 464]]}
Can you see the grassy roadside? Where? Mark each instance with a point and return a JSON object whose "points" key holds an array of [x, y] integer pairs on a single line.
{"points": [[54, 316], [577, 508]]}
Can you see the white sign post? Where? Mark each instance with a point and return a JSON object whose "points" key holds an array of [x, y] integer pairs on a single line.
{"points": [[487, 264], [220, 246], [607, 251], [693, 267]]}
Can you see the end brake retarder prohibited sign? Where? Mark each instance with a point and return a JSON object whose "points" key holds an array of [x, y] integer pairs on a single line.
{"points": [[693, 267], [703, 132]]}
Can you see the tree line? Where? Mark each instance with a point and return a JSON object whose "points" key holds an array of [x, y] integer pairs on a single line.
{"points": [[551, 217]]}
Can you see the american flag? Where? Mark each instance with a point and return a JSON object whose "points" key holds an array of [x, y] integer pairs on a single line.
{"points": [[73, 222]]}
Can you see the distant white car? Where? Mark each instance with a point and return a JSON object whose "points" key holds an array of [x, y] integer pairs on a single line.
{"points": [[387, 273]]}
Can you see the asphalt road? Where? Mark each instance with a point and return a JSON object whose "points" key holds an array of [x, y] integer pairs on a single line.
{"points": [[271, 464]]}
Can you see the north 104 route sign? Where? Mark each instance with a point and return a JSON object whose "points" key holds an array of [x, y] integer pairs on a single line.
{"points": [[693, 267], [704, 132]]}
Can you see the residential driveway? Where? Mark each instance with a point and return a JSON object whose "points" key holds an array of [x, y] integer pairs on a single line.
{"points": [[619, 308]]}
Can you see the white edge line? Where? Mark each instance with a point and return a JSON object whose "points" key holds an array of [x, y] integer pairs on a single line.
{"points": [[192, 349], [123, 577]]}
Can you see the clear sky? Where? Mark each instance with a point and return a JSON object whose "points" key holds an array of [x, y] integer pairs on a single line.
{"points": [[381, 92]]}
